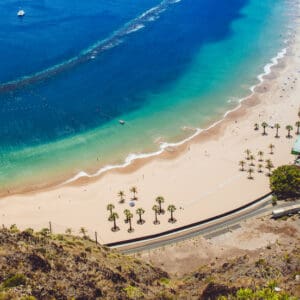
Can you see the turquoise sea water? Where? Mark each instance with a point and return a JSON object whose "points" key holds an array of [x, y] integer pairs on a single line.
{"points": [[68, 73]]}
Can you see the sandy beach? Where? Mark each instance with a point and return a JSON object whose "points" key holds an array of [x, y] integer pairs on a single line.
{"points": [[201, 178]]}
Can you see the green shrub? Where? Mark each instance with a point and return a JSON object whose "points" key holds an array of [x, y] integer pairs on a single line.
{"points": [[15, 280], [285, 182], [133, 292]]}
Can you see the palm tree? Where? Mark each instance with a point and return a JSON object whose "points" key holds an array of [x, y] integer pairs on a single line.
{"points": [[264, 126], [160, 200], [114, 218], [260, 168], [289, 128], [242, 164], [248, 152], [83, 231], [133, 190], [68, 231], [130, 229], [256, 126], [126, 213], [269, 166], [260, 154], [140, 212], [277, 126], [155, 208], [250, 171], [271, 146], [121, 194], [297, 124], [171, 209], [110, 208], [252, 158]]}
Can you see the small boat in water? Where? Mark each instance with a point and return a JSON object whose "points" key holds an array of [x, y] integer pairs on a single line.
{"points": [[122, 122], [21, 13]]}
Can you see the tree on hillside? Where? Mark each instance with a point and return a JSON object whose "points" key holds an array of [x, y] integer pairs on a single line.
{"points": [[83, 231], [252, 158], [259, 168], [285, 181], [256, 126]]}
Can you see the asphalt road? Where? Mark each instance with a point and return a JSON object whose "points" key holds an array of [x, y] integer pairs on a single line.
{"points": [[210, 231]]}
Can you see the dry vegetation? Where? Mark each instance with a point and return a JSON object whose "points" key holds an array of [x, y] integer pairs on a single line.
{"points": [[43, 266]]}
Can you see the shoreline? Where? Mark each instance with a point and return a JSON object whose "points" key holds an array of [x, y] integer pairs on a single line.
{"points": [[140, 159], [201, 177]]}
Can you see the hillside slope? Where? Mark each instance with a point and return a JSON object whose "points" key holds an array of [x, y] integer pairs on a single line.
{"points": [[43, 266]]}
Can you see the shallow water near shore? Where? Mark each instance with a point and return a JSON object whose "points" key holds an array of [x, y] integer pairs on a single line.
{"points": [[164, 66]]}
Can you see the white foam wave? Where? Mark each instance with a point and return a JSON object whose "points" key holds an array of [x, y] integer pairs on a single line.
{"points": [[115, 39], [165, 145], [135, 28]]}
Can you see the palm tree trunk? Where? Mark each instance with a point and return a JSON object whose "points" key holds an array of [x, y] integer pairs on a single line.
{"points": [[276, 132], [155, 217], [140, 218], [171, 215], [130, 228], [264, 131], [115, 225]]}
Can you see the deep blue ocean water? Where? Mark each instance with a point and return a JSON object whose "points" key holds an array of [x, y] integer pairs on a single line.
{"points": [[70, 70]]}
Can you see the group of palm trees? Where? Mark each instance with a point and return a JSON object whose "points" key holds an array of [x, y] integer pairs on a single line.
{"points": [[250, 157], [277, 126], [122, 195], [157, 208]]}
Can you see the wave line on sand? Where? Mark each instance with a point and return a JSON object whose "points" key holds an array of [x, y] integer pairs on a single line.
{"points": [[197, 131]]}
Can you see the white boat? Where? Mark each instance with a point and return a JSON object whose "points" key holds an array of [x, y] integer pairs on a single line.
{"points": [[122, 122], [21, 13]]}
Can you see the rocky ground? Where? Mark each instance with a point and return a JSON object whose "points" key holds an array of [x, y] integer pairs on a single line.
{"points": [[262, 255]]}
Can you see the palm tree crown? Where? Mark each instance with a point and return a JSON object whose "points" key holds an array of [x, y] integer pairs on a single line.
{"points": [[133, 190], [260, 154], [242, 164], [140, 212], [171, 209], [160, 200], [121, 194], [289, 128], [248, 152], [264, 126]]}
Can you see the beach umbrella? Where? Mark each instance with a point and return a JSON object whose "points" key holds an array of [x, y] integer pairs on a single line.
{"points": [[131, 204]]}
